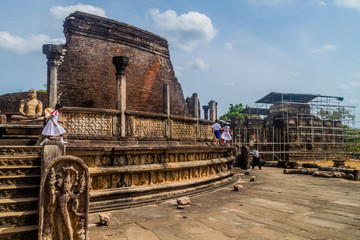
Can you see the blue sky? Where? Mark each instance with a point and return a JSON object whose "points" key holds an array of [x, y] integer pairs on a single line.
{"points": [[234, 51]]}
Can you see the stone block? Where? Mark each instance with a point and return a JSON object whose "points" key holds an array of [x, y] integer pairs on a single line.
{"points": [[183, 201], [252, 179], [238, 187]]}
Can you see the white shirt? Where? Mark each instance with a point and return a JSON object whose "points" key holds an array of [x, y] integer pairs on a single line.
{"points": [[216, 126], [256, 153]]}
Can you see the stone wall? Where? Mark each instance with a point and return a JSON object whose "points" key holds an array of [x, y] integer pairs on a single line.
{"points": [[87, 75]]}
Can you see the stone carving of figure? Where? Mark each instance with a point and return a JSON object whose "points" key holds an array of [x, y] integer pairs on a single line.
{"points": [[65, 189], [30, 108]]}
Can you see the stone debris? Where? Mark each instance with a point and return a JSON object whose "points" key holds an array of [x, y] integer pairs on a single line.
{"points": [[252, 179], [104, 219], [247, 173], [238, 187], [183, 201]]}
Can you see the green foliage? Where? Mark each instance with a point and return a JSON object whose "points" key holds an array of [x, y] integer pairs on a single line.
{"points": [[234, 111], [352, 141], [43, 90], [337, 114]]}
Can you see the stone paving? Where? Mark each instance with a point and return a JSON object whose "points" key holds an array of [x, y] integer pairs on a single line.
{"points": [[274, 206]]}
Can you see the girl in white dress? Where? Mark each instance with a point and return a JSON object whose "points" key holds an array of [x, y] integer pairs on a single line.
{"points": [[52, 127], [226, 134]]}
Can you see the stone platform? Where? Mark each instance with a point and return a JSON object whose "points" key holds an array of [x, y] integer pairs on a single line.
{"points": [[275, 206]]}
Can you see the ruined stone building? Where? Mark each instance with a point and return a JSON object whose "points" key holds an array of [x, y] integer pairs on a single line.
{"points": [[288, 126], [130, 133]]}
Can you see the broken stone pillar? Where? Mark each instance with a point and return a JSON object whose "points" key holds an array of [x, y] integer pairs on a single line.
{"points": [[213, 110], [55, 56], [166, 104], [206, 111], [52, 149], [121, 63]]}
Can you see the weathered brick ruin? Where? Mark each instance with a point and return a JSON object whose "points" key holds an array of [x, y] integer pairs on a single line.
{"points": [[290, 130], [86, 77], [129, 129]]}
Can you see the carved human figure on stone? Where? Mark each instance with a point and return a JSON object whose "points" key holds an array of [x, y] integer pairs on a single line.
{"points": [[30, 108], [64, 194]]}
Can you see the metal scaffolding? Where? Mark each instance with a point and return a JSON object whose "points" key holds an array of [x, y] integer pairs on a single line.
{"points": [[288, 126]]}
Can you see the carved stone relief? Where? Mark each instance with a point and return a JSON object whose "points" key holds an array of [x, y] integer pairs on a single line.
{"points": [[180, 129], [88, 124], [64, 200], [148, 127]]}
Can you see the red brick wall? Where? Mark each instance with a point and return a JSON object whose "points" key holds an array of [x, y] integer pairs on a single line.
{"points": [[87, 75]]}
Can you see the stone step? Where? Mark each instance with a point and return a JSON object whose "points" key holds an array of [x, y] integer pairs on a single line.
{"points": [[18, 204], [20, 160], [20, 150], [18, 219], [6, 171], [23, 233], [19, 180], [17, 192]]}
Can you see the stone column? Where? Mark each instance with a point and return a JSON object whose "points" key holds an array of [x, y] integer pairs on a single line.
{"points": [[166, 104], [121, 63], [206, 111], [166, 93], [195, 98], [55, 56], [213, 110]]}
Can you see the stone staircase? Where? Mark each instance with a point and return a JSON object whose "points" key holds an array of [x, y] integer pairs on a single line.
{"points": [[20, 168]]}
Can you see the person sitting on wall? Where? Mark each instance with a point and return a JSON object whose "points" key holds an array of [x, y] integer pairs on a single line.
{"points": [[216, 129], [30, 108], [256, 159]]}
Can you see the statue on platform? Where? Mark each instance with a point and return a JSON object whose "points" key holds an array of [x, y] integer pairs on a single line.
{"points": [[3, 118], [30, 108]]}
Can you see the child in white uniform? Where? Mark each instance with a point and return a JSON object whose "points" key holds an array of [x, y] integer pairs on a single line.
{"points": [[53, 128], [226, 134]]}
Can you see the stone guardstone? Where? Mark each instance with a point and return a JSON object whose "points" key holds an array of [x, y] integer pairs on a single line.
{"points": [[64, 200], [238, 187]]}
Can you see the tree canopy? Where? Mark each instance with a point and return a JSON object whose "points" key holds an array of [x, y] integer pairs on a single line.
{"points": [[234, 111]]}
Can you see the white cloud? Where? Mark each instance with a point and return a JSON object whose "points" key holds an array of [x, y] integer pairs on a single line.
{"points": [[60, 12], [354, 84], [30, 45], [323, 3], [229, 84], [198, 65], [357, 75], [326, 48], [229, 45], [344, 86], [348, 4], [187, 30], [354, 101], [295, 74], [271, 3]]}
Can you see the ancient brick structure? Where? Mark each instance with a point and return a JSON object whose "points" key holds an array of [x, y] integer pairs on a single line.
{"points": [[291, 128], [86, 77]]}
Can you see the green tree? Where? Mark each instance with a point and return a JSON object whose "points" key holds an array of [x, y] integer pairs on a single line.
{"points": [[339, 113], [43, 90], [234, 111]]}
